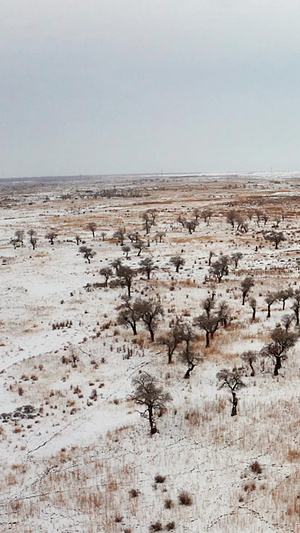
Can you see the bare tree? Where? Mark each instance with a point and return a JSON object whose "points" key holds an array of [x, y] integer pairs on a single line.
{"points": [[140, 246], [172, 339], [129, 314], [287, 321], [296, 305], [149, 394], [189, 358], [236, 257], [126, 249], [270, 299], [150, 311], [209, 325], [283, 295], [159, 236], [87, 252], [107, 273], [276, 237], [177, 261], [116, 264], [232, 380], [126, 275], [191, 225], [210, 256], [219, 268], [92, 226], [231, 217], [19, 235], [206, 215], [208, 305], [103, 235], [281, 342], [252, 303], [147, 221], [181, 219], [32, 238], [147, 266], [51, 235], [246, 285], [77, 239], [119, 235], [250, 357]]}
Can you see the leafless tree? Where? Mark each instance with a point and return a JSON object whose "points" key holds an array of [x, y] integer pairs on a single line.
{"points": [[32, 238], [159, 236], [219, 268], [126, 275], [107, 273], [77, 239], [287, 321], [208, 305], [246, 286], [281, 342], [119, 235], [270, 299], [177, 261], [19, 235], [150, 395], [196, 214], [210, 256], [147, 266], [296, 305], [181, 219], [236, 257], [116, 264], [103, 235], [126, 249], [189, 358], [250, 357], [92, 226], [283, 295], [147, 221], [265, 218], [276, 237], [209, 325], [206, 215], [51, 235], [129, 314], [150, 310], [87, 252], [172, 339], [252, 303], [140, 246], [231, 217], [232, 380], [191, 225]]}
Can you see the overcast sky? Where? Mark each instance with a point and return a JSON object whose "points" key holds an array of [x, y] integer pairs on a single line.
{"points": [[134, 86]]}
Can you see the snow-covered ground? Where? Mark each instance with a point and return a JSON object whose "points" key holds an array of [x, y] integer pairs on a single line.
{"points": [[81, 459]]}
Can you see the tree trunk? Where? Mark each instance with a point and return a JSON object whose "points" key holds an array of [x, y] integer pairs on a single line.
{"points": [[207, 339], [153, 429], [277, 366], [297, 316], [244, 298], [129, 290], [252, 368], [188, 372], [269, 311], [253, 313], [234, 404], [151, 333]]}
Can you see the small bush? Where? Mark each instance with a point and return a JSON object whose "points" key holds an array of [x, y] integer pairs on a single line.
{"points": [[170, 526], [160, 479], [133, 493], [156, 527], [169, 503], [185, 498], [256, 468]]}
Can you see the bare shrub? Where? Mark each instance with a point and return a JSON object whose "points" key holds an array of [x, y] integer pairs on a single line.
{"points": [[185, 498]]}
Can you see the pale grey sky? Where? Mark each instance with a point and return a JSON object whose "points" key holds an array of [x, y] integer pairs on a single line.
{"points": [[133, 86]]}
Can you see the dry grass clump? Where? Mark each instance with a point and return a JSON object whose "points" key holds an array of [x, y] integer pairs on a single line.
{"points": [[185, 498]]}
